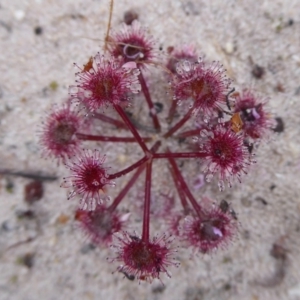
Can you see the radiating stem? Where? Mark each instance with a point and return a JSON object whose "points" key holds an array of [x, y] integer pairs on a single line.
{"points": [[130, 126], [146, 93], [127, 187], [189, 133], [180, 123], [89, 137], [185, 188], [129, 169], [172, 110], [153, 149], [180, 191], [109, 120], [146, 218], [131, 182]]}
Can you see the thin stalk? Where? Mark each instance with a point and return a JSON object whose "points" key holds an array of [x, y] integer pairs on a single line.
{"points": [[126, 188], [189, 133], [146, 93], [109, 120], [180, 191], [111, 7], [146, 218], [153, 149], [172, 110], [89, 137], [185, 188], [180, 123], [129, 169], [180, 155], [131, 128]]}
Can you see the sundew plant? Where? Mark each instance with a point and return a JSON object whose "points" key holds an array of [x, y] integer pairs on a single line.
{"points": [[201, 119]]}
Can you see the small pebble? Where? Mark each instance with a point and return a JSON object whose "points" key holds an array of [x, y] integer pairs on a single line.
{"points": [[33, 191], [53, 85], [9, 186], [246, 201], [158, 289], [38, 30], [130, 16], [19, 15], [87, 248], [261, 200], [7, 226], [229, 48], [27, 260], [258, 71], [25, 214], [62, 219], [279, 126]]}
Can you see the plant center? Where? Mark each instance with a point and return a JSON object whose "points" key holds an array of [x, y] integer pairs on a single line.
{"points": [[63, 133]]}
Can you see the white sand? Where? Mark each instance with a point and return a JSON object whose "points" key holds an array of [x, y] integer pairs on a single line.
{"points": [[73, 30]]}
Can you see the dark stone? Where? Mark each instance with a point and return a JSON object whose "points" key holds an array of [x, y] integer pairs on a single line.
{"points": [[258, 71], [38, 30], [279, 126], [33, 191], [130, 16], [27, 260]]}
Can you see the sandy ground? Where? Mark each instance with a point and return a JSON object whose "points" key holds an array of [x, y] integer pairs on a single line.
{"points": [[267, 202]]}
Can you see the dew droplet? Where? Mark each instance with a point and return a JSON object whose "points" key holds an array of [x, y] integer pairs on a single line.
{"points": [[135, 87], [97, 59], [186, 66], [221, 185], [73, 89], [204, 133], [87, 93], [212, 167], [136, 72], [217, 232], [208, 177]]}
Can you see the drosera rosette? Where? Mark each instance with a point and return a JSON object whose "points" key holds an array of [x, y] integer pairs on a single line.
{"points": [[101, 223], [133, 44], [225, 154], [176, 56], [89, 179], [215, 129], [142, 259], [212, 229], [206, 84], [58, 132], [104, 82], [256, 120], [180, 54]]}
